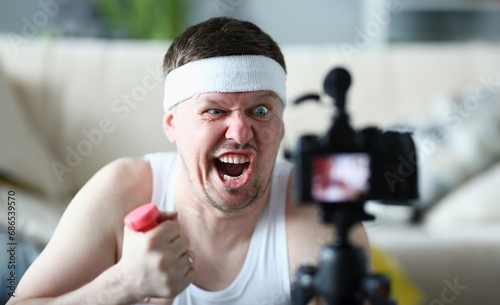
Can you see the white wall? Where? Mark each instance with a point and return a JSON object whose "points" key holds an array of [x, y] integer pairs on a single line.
{"points": [[289, 21]]}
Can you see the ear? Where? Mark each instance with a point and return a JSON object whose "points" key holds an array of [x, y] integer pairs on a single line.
{"points": [[169, 126]]}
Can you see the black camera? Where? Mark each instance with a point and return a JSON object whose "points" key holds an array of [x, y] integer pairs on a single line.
{"points": [[345, 166], [340, 171]]}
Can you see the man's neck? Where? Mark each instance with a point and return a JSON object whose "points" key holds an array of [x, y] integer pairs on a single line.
{"points": [[203, 222]]}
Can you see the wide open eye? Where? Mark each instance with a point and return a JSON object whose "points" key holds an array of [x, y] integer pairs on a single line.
{"points": [[260, 111]]}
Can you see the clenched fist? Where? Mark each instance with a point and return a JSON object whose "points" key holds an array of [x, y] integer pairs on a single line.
{"points": [[157, 263]]}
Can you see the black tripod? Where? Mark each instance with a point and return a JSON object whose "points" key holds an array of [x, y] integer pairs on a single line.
{"points": [[341, 278]]}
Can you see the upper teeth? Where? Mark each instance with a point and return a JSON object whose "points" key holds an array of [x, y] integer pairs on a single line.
{"points": [[234, 159]]}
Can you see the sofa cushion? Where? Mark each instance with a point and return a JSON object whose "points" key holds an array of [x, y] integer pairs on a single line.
{"points": [[24, 157], [90, 99], [456, 139], [474, 203]]}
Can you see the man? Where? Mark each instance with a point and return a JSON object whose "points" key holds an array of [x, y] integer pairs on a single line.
{"points": [[229, 232]]}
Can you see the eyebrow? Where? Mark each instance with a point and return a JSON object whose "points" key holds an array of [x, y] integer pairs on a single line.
{"points": [[268, 93], [202, 101]]}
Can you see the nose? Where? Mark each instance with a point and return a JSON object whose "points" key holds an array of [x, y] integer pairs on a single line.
{"points": [[239, 129]]}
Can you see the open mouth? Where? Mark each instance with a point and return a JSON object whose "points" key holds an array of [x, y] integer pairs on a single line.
{"points": [[232, 167]]}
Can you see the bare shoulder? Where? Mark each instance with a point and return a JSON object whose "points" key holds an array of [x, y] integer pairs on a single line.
{"points": [[125, 178], [88, 237], [115, 190], [125, 171]]}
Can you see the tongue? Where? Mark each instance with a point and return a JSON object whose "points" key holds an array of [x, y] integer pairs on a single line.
{"points": [[230, 169]]}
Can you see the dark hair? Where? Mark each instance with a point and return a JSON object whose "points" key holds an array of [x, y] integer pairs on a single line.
{"points": [[221, 36]]}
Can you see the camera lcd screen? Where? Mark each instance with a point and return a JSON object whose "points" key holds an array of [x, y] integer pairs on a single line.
{"points": [[340, 177]]}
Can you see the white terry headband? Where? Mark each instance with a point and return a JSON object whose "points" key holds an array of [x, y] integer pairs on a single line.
{"points": [[238, 73]]}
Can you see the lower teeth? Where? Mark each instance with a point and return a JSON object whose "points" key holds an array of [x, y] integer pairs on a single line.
{"points": [[230, 178]]}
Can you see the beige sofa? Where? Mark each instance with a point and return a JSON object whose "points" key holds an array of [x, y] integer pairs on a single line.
{"points": [[68, 107]]}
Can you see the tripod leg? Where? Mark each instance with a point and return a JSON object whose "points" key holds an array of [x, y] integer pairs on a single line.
{"points": [[377, 289], [303, 286]]}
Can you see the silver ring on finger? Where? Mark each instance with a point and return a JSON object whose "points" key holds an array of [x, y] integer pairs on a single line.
{"points": [[189, 259]]}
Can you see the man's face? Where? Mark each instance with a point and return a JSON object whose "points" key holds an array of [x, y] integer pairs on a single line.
{"points": [[228, 144]]}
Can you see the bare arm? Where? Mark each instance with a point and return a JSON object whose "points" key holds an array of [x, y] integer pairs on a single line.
{"points": [[83, 262], [107, 288]]}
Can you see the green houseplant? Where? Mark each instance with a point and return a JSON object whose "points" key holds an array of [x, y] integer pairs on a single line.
{"points": [[142, 19]]}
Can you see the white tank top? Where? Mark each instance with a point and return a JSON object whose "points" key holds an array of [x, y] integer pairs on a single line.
{"points": [[264, 278]]}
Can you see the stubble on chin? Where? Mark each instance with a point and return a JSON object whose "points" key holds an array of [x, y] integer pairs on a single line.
{"points": [[237, 205], [245, 203]]}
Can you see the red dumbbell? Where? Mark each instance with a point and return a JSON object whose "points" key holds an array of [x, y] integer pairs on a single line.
{"points": [[143, 218]]}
